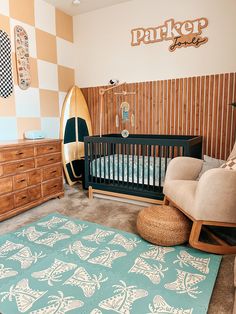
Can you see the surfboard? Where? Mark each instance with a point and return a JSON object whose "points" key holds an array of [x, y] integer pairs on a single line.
{"points": [[22, 57], [6, 86], [74, 126]]}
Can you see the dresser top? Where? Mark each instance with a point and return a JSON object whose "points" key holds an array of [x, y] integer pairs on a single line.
{"points": [[7, 144]]}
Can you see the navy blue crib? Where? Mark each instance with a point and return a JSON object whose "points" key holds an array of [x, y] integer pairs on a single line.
{"points": [[135, 165]]}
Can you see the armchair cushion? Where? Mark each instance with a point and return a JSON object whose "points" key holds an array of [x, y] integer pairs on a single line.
{"points": [[212, 198], [183, 168], [182, 193], [215, 198]]}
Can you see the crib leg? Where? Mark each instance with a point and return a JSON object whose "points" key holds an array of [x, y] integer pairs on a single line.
{"points": [[90, 193], [166, 201]]}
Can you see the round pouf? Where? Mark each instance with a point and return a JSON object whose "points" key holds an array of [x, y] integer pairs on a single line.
{"points": [[163, 225]]}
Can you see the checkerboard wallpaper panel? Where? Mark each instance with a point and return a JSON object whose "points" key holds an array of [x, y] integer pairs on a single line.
{"points": [[51, 51]]}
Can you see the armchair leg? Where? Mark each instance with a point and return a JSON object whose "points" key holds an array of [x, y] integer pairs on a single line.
{"points": [[211, 248]]}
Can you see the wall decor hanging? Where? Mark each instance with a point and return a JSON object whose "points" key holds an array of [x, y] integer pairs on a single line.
{"points": [[124, 110], [182, 34], [22, 57], [102, 92], [6, 86]]}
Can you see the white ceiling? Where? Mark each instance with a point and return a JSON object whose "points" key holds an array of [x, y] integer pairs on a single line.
{"points": [[84, 6]]}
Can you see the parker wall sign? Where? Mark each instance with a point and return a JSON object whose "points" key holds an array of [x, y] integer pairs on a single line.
{"points": [[181, 34]]}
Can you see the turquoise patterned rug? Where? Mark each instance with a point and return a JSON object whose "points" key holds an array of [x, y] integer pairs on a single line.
{"points": [[62, 265]]}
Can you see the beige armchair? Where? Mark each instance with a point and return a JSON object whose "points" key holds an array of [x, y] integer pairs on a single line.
{"points": [[209, 201]]}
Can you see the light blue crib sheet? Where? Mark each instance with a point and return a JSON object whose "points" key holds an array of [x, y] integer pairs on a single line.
{"points": [[126, 168]]}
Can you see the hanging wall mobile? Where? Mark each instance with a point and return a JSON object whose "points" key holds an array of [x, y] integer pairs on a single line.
{"points": [[125, 111], [6, 86], [126, 115], [22, 57]]}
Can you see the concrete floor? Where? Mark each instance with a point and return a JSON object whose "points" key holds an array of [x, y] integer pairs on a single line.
{"points": [[121, 216]]}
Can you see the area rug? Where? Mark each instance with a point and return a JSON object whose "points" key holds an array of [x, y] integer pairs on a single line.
{"points": [[63, 265]]}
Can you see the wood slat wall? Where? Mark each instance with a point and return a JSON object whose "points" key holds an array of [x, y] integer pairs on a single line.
{"points": [[188, 106]]}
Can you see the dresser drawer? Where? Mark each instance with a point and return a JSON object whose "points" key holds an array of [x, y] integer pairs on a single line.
{"points": [[23, 180], [27, 196], [35, 193], [49, 159], [16, 154], [19, 166], [34, 177], [20, 181], [52, 172], [52, 187], [5, 185], [6, 203], [49, 148], [21, 198]]}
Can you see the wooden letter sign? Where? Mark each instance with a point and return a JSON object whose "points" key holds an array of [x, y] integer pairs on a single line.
{"points": [[182, 34]]}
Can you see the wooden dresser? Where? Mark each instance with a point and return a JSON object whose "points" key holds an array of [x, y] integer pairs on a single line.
{"points": [[30, 174]]}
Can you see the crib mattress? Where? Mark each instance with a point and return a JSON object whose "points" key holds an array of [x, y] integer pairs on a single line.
{"points": [[132, 169]]}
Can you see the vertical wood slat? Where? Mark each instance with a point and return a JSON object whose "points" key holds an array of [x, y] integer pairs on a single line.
{"points": [[191, 106], [185, 110]]}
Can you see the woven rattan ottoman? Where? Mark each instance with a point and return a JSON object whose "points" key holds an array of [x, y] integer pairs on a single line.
{"points": [[163, 225]]}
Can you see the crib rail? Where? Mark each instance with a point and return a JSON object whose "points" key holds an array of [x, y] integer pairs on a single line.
{"points": [[135, 165]]}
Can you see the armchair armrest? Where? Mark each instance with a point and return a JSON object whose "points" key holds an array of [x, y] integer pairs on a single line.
{"points": [[215, 198], [183, 168]]}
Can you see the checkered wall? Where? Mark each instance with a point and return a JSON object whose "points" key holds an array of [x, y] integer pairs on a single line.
{"points": [[51, 48]]}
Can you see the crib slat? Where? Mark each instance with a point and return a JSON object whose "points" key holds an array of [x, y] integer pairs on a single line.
{"points": [[178, 151], [91, 162], [167, 152], [100, 159], [118, 164], [113, 156], [143, 174], [128, 153], [96, 166], [123, 164], [154, 168], [104, 160], [109, 162], [133, 147], [138, 166], [149, 153], [172, 152], [160, 161]]}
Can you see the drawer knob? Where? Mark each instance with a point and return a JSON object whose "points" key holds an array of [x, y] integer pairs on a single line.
{"points": [[55, 186], [20, 166], [24, 197], [51, 159], [50, 148], [53, 171], [20, 153]]}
